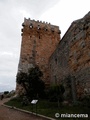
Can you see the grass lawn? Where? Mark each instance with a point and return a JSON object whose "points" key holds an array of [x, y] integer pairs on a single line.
{"points": [[49, 109]]}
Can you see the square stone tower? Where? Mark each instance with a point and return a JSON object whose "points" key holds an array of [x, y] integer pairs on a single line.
{"points": [[39, 40]]}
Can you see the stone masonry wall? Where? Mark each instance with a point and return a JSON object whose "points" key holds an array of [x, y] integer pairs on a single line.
{"points": [[39, 40], [72, 57], [79, 57]]}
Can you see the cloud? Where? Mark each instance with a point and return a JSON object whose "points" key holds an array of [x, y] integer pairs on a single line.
{"points": [[36, 7], [6, 53], [4, 86]]}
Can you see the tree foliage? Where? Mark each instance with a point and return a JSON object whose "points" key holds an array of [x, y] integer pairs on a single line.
{"points": [[32, 82]]}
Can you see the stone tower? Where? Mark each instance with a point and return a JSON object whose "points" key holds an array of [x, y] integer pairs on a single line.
{"points": [[39, 40]]}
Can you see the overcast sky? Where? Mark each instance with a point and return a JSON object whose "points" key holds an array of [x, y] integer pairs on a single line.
{"points": [[12, 13]]}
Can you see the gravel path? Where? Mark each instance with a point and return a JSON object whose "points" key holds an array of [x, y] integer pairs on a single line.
{"points": [[11, 114]]}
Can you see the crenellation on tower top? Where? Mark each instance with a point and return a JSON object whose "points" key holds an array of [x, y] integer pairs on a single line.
{"points": [[42, 25]]}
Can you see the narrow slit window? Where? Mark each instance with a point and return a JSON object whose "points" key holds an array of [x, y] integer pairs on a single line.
{"points": [[56, 60]]}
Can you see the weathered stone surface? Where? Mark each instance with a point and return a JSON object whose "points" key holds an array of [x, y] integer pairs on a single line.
{"points": [[73, 56], [39, 40]]}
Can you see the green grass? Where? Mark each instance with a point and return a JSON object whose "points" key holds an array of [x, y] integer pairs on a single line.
{"points": [[49, 109]]}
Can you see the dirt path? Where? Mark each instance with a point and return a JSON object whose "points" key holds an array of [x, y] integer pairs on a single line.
{"points": [[4, 100], [11, 114]]}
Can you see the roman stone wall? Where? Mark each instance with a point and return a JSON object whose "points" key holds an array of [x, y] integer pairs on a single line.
{"points": [[79, 58], [72, 57]]}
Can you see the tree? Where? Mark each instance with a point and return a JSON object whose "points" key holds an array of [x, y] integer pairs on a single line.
{"points": [[32, 82], [6, 92], [22, 79]]}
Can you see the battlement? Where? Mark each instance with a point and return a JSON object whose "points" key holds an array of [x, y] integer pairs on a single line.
{"points": [[39, 25]]}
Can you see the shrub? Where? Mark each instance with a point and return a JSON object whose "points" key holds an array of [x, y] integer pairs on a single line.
{"points": [[86, 101], [56, 93], [6, 92]]}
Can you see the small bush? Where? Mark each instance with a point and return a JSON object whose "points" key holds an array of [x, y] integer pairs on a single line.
{"points": [[86, 101], [6, 92], [56, 93]]}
